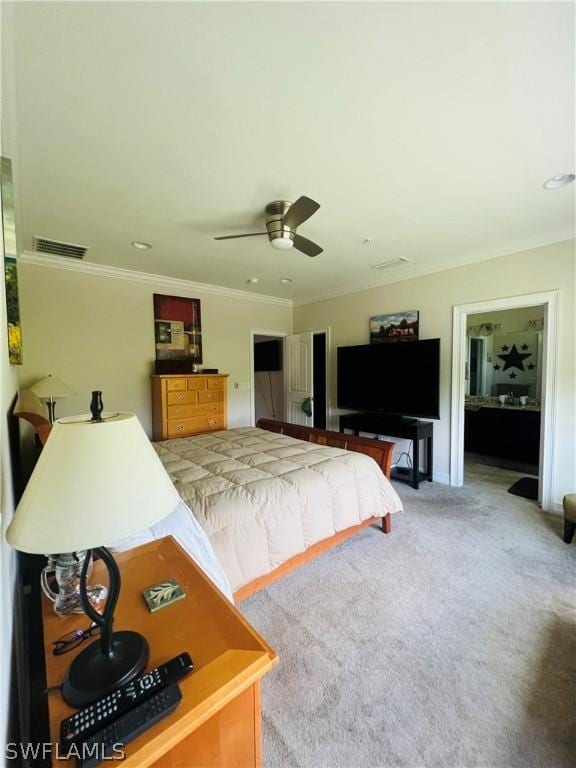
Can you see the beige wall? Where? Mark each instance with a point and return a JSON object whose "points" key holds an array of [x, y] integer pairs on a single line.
{"points": [[548, 268], [96, 332]]}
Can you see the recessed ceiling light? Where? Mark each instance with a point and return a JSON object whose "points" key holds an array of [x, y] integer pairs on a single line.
{"points": [[285, 280], [559, 181], [142, 246], [253, 280]]}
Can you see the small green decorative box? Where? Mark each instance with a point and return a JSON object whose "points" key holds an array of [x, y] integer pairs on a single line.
{"points": [[160, 595]]}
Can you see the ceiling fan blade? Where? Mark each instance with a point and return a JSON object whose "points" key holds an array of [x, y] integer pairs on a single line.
{"points": [[306, 246], [299, 211], [233, 237]]}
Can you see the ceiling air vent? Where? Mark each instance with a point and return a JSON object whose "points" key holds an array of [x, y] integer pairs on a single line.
{"points": [[390, 262], [58, 248]]}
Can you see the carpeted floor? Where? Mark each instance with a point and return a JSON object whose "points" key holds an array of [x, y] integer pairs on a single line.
{"points": [[451, 642]]}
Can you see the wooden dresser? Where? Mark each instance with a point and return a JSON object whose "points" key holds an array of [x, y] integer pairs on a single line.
{"points": [[218, 721], [188, 404]]}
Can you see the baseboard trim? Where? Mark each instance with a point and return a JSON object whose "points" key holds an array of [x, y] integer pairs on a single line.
{"points": [[441, 477]]}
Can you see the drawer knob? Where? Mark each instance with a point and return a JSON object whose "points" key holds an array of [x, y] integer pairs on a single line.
{"points": [[213, 409], [180, 397], [179, 411], [180, 427], [212, 422], [211, 396]]}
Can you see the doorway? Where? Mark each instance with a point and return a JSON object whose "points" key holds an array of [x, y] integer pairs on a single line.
{"points": [[502, 403], [320, 384], [504, 388], [267, 355]]}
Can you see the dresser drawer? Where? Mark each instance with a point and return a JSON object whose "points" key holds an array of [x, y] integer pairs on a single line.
{"points": [[187, 411], [174, 385], [215, 383], [210, 396], [183, 411], [196, 384], [181, 398], [180, 427], [208, 409]]}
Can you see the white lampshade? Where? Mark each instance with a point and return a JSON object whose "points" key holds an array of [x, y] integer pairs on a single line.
{"points": [[94, 484], [51, 387]]}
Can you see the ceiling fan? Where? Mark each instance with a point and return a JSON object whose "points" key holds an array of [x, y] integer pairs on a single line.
{"points": [[282, 220]]}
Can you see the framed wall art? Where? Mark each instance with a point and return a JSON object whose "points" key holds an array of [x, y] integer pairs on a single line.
{"points": [[177, 333], [10, 266], [397, 326]]}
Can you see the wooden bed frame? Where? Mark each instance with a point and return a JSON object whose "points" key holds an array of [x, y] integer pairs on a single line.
{"points": [[32, 410], [379, 450]]}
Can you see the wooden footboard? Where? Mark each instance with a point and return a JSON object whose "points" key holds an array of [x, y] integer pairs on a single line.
{"points": [[304, 557], [379, 450]]}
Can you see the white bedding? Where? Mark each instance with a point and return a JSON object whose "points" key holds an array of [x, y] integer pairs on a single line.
{"points": [[189, 534], [262, 497]]}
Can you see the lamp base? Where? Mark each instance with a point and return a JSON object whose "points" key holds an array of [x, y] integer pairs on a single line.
{"points": [[92, 674]]}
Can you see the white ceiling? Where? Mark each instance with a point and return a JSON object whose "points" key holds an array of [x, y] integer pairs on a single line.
{"points": [[429, 127]]}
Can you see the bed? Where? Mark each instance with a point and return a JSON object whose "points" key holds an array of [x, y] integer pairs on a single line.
{"points": [[259, 502], [270, 501]]}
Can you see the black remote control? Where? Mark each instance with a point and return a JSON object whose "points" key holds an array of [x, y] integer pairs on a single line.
{"points": [[96, 716], [110, 740]]}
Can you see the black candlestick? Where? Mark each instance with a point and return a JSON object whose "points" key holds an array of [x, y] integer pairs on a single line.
{"points": [[96, 405]]}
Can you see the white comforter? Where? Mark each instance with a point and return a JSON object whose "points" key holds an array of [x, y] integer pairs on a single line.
{"points": [[263, 497]]}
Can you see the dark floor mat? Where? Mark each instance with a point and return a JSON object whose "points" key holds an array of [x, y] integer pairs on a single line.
{"points": [[526, 487]]}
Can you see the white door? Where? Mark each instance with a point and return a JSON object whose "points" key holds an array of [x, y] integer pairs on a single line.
{"points": [[298, 378]]}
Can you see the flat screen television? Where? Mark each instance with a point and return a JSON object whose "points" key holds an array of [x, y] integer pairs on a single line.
{"points": [[398, 378], [268, 355]]}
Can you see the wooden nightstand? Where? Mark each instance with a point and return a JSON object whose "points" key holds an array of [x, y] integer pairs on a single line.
{"points": [[217, 723]]}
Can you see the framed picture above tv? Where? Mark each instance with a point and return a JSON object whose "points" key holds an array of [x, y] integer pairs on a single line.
{"points": [[396, 326]]}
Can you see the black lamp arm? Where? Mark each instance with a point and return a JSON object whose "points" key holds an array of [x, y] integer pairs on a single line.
{"points": [[106, 620], [86, 604]]}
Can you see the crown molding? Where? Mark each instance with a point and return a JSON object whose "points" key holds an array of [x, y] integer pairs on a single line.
{"points": [[414, 270], [159, 281]]}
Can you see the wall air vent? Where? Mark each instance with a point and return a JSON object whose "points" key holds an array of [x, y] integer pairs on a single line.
{"points": [[58, 248], [391, 262]]}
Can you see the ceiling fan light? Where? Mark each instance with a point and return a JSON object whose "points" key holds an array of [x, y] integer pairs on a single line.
{"points": [[282, 243]]}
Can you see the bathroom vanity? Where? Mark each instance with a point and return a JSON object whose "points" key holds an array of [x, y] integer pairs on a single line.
{"points": [[506, 431]]}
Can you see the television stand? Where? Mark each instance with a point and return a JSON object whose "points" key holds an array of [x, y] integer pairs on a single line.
{"points": [[397, 426]]}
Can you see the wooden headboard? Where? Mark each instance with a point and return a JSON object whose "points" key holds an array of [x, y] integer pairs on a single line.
{"points": [[34, 411], [380, 450]]}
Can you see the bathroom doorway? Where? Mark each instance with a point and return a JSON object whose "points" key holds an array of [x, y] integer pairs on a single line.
{"points": [[502, 405], [504, 393]]}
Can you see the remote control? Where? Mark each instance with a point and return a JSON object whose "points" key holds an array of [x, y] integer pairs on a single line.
{"points": [[110, 739], [97, 715]]}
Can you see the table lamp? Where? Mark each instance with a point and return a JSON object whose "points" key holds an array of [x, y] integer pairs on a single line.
{"points": [[98, 480], [50, 389]]}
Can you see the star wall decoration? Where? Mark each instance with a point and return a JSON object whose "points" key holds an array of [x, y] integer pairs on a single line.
{"points": [[497, 367], [524, 347], [512, 375], [514, 359], [531, 366], [504, 348]]}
